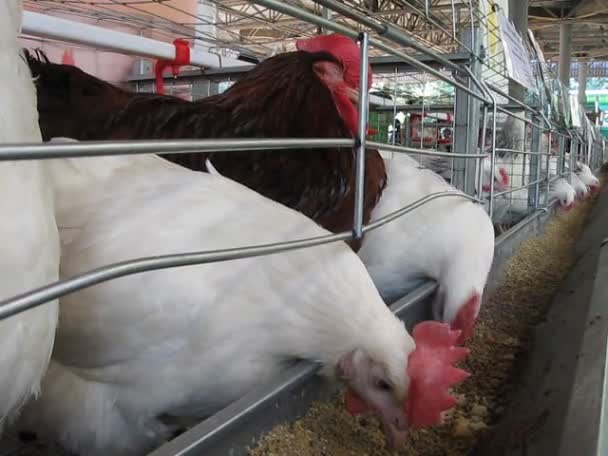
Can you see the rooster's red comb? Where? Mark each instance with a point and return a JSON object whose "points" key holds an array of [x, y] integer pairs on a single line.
{"points": [[431, 372], [342, 48]]}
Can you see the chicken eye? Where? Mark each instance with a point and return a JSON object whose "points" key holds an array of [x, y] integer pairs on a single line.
{"points": [[383, 385]]}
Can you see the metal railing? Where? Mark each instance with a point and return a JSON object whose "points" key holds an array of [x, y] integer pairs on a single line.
{"points": [[477, 89]]}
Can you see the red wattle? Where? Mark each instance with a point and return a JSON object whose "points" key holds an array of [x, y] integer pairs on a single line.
{"points": [[354, 404]]}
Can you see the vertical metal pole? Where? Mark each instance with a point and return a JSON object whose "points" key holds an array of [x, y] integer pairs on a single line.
{"points": [[422, 114], [560, 155], [360, 146], [548, 161], [482, 145], [535, 164], [492, 160], [572, 158], [582, 81], [395, 109], [518, 14], [453, 19], [326, 14], [565, 51], [467, 111]]}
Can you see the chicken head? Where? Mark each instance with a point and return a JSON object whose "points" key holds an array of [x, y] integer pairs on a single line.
{"points": [[501, 177], [466, 317], [342, 79], [421, 401]]}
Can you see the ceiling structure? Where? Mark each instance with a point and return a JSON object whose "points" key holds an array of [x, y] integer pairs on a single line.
{"points": [[258, 32], [589, 19], [251, 29]]}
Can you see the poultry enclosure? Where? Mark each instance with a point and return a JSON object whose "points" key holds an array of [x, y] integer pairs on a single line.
{"points": [[455, 107]]}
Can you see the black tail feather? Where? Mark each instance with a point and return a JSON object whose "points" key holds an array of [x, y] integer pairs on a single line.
{"points": [[35, 60]]}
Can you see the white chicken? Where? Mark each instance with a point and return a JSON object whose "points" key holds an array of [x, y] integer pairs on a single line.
{"points": [[587, 177], [28, 233], [579, 186], [186, 342], [448, 239], [563, 192], [443, 166]]}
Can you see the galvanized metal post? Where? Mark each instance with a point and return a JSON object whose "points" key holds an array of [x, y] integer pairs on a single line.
{"points": [[466, 118], [360, 146], [560, 155], [518, 14], [325, 14], [395, 111], [565, 53], [582, 81], [534, 176]]}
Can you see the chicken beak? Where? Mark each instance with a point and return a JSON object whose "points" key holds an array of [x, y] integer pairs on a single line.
{"points": [[395, 435]]}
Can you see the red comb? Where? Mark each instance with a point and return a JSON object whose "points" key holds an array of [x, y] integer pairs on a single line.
{"points": [[504, 176], [354, 404], [68, 57], [342, 48], [431, 371], [465, 318]]}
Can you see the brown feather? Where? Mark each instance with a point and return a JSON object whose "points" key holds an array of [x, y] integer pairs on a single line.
{"points": [[281, 97]]}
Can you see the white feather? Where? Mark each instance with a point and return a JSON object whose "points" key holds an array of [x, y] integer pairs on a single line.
{"points": [[186, 342], [579, 186], [448, 239], [211, 169], [562, 191], [28, 233]]}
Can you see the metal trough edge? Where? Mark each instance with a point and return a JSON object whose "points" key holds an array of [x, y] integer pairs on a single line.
{"points": [[585, 430], [235, 428]]}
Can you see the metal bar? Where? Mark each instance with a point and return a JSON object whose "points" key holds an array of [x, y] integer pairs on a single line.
{"points": [[492, 159], [325, 14], [535, 166], [57, 28], [38, 296], [523, 119], [482, 145], [410, 207], [565, 53], [395, 110], [360, 147], [523, 152], [582, 81], [453, 18], [511, 98], [413, 150], [22, 302], [548, 165], [512, 190], [38, 151], [518, 14], [474, 111]]}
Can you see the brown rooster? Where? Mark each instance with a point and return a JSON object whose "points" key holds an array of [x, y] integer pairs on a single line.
{"points": [[309, 93]]}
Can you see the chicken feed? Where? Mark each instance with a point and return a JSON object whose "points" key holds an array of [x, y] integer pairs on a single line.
{"points": [[531, 278]]}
